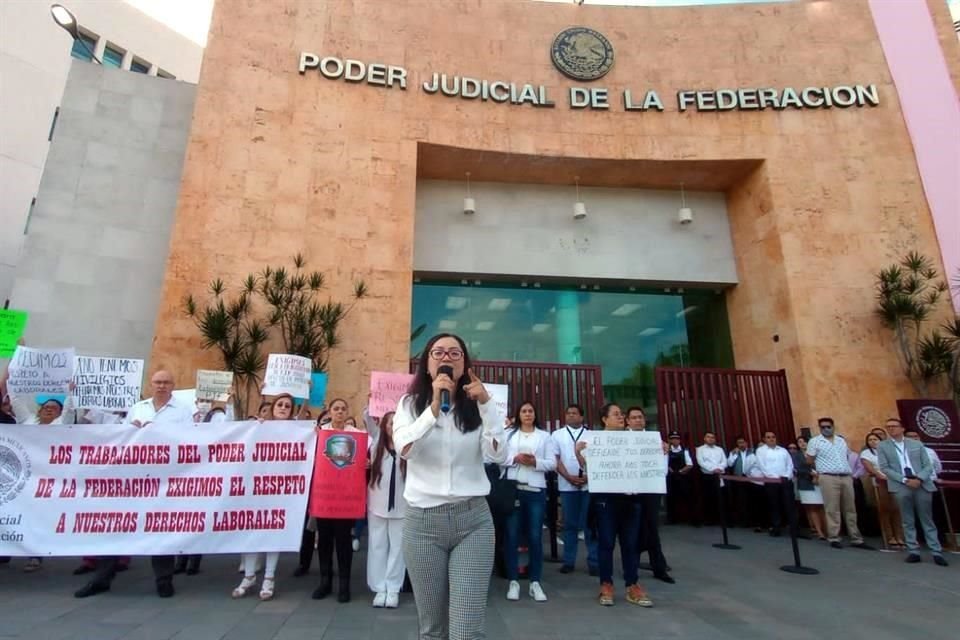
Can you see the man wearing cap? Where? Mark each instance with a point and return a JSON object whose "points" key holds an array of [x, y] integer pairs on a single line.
{"points": [[909, 480], [679, 465], [829, 454]]}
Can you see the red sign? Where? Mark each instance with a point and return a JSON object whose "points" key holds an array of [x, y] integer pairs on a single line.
{"points": [[935, 420], [340, 475]]}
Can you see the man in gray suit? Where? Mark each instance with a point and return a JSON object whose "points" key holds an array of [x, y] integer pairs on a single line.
{"points": [[909, 470]]}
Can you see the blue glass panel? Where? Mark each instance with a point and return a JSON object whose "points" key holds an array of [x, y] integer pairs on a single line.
{"points": [[112, 58], [78, 51]]}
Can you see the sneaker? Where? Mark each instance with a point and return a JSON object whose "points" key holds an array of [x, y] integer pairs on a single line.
{"points": [[636, 595], [393, 601], [356, 544], [606, 594], [380, 600], [536, 592], [513, 591], [580, 536]]}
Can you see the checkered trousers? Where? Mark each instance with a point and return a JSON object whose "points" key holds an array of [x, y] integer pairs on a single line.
{"points": [[448, 551]]}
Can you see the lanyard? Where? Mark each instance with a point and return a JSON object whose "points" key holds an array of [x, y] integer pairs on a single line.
{"points": [[577, 439]]}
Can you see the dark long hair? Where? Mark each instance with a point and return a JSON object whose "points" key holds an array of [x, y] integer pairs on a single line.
{"points": [[293, 411], [516, 415], [421, 389], [384, 444]]}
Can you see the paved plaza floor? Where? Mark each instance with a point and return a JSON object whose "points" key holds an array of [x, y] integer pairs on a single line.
{"points": [[719, 595]]}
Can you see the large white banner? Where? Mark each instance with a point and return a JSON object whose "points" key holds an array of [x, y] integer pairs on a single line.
{"points": [[163, 489], [625, 462]]}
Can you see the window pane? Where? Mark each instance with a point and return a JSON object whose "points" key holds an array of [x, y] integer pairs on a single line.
{"points": [[628, 334], [136, 67], [78, 51], [112, 58]]}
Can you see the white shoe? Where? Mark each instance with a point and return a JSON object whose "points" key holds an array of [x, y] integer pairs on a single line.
{"points": [[380, 600], [245, 586], [513, 591], [356, 544], [393, 601], [536, 592], [267, 588], [580, 536]]}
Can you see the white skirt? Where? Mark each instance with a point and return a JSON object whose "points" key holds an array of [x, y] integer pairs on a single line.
{"points": [[812, 496]]}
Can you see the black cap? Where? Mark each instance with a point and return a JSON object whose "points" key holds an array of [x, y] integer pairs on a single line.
{"points": [[673, 434]]}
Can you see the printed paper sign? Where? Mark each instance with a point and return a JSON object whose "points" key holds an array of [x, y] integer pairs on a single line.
{"points": [[34, 371], [165, 489], [318, 390], [12, 325], [112, 384], [625, 462], [386, 389], [287, 374], [214, 385], [340, 475]]}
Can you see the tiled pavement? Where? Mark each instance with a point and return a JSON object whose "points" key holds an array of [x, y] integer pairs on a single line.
{"points": [[719, 595]]}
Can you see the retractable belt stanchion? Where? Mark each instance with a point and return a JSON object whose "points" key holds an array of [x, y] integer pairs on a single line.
{"points": [[722, 507], [943, 485], [796, 567]]}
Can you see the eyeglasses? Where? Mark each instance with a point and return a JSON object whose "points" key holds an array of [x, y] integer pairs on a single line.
{"points": [[453, 354]]}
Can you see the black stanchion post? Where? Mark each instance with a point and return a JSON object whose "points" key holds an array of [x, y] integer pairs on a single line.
{"points": [[722, 507], [553, 512], [796, 567]]}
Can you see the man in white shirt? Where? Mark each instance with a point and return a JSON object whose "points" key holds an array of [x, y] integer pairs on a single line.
{"points": [[775, 463], [934, 458], [712, 462], [744, 495], [161, 408], [574, 496]]}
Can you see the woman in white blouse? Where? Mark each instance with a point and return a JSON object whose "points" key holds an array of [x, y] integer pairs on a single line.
{"points": [[281, 409], [887, 511], [530, 455], [448, 538], [385, 510]]}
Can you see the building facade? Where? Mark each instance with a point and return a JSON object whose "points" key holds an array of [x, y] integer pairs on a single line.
{"points": [[35, 57]]}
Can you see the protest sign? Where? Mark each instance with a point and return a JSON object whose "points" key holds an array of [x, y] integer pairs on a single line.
{"points": [[499, 394], [12, 325], [287, 374], [318, 389], [625, 462], [112, 384], [186, 397], [340, 475], [386, 389], [226, 488], [34, 371], [214, 385]]}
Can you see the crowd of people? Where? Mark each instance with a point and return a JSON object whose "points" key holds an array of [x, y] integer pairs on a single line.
{"points": [[453, 491]]}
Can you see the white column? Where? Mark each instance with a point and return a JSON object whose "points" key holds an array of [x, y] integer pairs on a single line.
{"points": [[127, 60], [99, 48]]}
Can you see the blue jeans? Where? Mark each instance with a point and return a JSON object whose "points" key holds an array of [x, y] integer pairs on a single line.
{"points": [[575, 505], [618, 517], [526, 518]]}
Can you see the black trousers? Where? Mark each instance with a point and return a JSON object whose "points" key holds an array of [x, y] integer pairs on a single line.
{"points": [[307, 544], [678, 497], [779, 502], [188, 562], [106, 568], [649, 538], [335, 533], [710, 496]]}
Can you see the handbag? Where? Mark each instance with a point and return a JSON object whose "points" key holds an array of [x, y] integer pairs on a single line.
{"points": [[503, 492]]}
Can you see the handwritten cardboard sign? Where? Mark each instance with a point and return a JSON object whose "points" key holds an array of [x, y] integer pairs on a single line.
{"points": [[625, 462], [34, 371], [12, 325], [112, 384], [500, 394], [214, 385], [339, 488], [287, 374], [386, 389]]}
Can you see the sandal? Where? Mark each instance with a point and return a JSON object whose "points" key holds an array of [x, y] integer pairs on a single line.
{"points": [[33, 564], [248, 583], [266, 589]]}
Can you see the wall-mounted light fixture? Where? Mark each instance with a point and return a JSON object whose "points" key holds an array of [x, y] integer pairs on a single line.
{"points": [[579, 208], [469, 204]]}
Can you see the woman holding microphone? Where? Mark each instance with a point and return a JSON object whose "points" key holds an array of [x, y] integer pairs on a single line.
{"points": [[444, 427]]}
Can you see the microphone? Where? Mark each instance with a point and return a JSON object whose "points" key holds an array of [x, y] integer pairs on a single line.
{"points": [[445, 394]]}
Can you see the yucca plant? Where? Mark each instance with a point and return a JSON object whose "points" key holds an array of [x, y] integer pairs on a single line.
{"points": [[228, 326], [907, 293], [307, 327]]}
